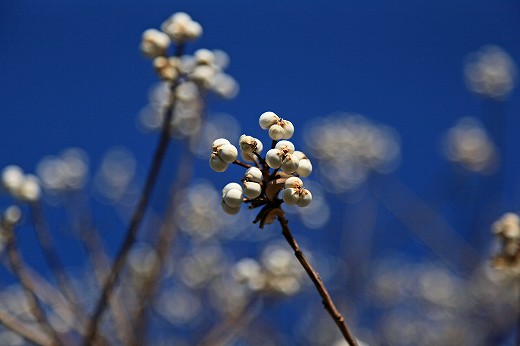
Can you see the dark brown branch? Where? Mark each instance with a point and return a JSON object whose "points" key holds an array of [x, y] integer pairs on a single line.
{"points": [[133, 228], [318, 283], [240, 163], [18, 268]]}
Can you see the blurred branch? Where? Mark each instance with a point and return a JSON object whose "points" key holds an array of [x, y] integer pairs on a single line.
{"points": [[318, 283], [133, 228], [18, 268], [46, 243], [93, 245], [426, 223], [20, 328], [234, 323]]}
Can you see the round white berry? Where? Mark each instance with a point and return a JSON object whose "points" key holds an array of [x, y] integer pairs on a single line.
{"points": [[231, 186], [253, 174], [267, 119], [276, 132], [293, 182], [228, 153], [286, 146], [273, 158], [218, 142], [290, 164], [229, 210], [233, 198], [288, 129], [252, 190], [217, 164], [290, 196], [305, 198], [304, 168]]}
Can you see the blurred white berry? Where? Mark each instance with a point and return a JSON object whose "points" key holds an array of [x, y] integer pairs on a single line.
{"points": [[12, 178], [12, 215], [154, 43], [204, 56], [30, 189], [166, 68], [508, 226], [180, 27]]}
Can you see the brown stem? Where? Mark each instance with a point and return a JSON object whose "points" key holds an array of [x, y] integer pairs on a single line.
{"points": [[133, 228], [28, 333], [18, 268], [318, 283], [240, 163]]}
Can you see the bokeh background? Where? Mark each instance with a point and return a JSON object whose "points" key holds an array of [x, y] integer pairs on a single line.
{"points": [[400, 245]]}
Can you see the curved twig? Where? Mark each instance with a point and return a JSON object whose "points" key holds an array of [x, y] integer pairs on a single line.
{"points": [[318, 283]]}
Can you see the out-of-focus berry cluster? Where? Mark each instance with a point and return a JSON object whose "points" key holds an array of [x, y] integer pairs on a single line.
{"points": [[348, 147]]}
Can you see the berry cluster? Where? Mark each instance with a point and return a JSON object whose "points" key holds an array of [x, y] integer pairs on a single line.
{"points": [[266, 177], [204, 68]]}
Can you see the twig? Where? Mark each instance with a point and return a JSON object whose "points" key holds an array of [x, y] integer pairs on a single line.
{"points": [[133, 228], [18, 268], [28, 333], [318, 283]]}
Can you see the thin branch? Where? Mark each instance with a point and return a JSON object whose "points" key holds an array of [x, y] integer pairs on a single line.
{"points": [[18, 268], [318, 283], [240, 163], [27, 332], [133, 228]]}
